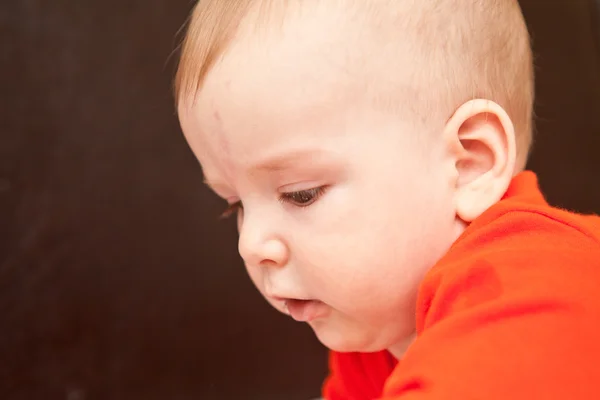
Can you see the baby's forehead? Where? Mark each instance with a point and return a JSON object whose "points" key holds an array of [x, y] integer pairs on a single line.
{"points": [[351, 36], [305, 57]]}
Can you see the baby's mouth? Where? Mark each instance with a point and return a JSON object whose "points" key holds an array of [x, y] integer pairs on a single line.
{"points": [[305, 310]]}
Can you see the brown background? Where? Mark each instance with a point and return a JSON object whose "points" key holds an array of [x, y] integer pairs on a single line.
{"points": [[116, 281]]}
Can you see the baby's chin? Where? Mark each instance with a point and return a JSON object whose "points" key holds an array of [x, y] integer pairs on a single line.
{"points": [[345, 338]]}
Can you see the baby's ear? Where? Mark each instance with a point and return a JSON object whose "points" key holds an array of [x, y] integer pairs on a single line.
{"points": [[484, 139]]}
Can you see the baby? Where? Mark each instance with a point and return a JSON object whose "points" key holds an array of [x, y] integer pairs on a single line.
{"points": [[374, 153]]}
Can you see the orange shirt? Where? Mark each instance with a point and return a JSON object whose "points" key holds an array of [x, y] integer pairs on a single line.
{"points": [[511, 312]]}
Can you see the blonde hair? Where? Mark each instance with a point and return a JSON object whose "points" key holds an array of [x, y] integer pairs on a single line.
{"points": [[464, 49]]}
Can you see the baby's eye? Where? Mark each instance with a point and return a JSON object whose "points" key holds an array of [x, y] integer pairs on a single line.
{"points": [[302, 198], [232, 209]]}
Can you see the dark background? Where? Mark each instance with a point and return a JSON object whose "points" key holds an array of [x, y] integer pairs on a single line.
{"points": [[116, 281]]}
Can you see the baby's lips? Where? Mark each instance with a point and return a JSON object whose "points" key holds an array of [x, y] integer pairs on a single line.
{"points": [[305, 310]]}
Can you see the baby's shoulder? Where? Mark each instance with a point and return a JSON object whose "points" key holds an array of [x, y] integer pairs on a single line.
{"points": [[529, 254], [532, 231]]}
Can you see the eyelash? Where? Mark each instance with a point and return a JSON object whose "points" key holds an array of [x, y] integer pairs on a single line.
{"points": [[300, 198]]}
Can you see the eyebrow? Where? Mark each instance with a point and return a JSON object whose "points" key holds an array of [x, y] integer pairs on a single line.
{"points": [[287, 160], [278, 163]]}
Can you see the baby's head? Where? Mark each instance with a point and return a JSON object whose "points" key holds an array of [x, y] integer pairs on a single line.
{"points": [[356, 140]]}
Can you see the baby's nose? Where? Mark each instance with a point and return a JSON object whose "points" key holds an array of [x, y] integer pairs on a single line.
{"points": [[263, 253], [260, 246]]}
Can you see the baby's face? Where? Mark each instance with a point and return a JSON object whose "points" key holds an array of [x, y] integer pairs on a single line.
{"points": [[344, 207]]}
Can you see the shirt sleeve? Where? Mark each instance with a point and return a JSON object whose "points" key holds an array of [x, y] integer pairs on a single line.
{"points": [[508, 325]]}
